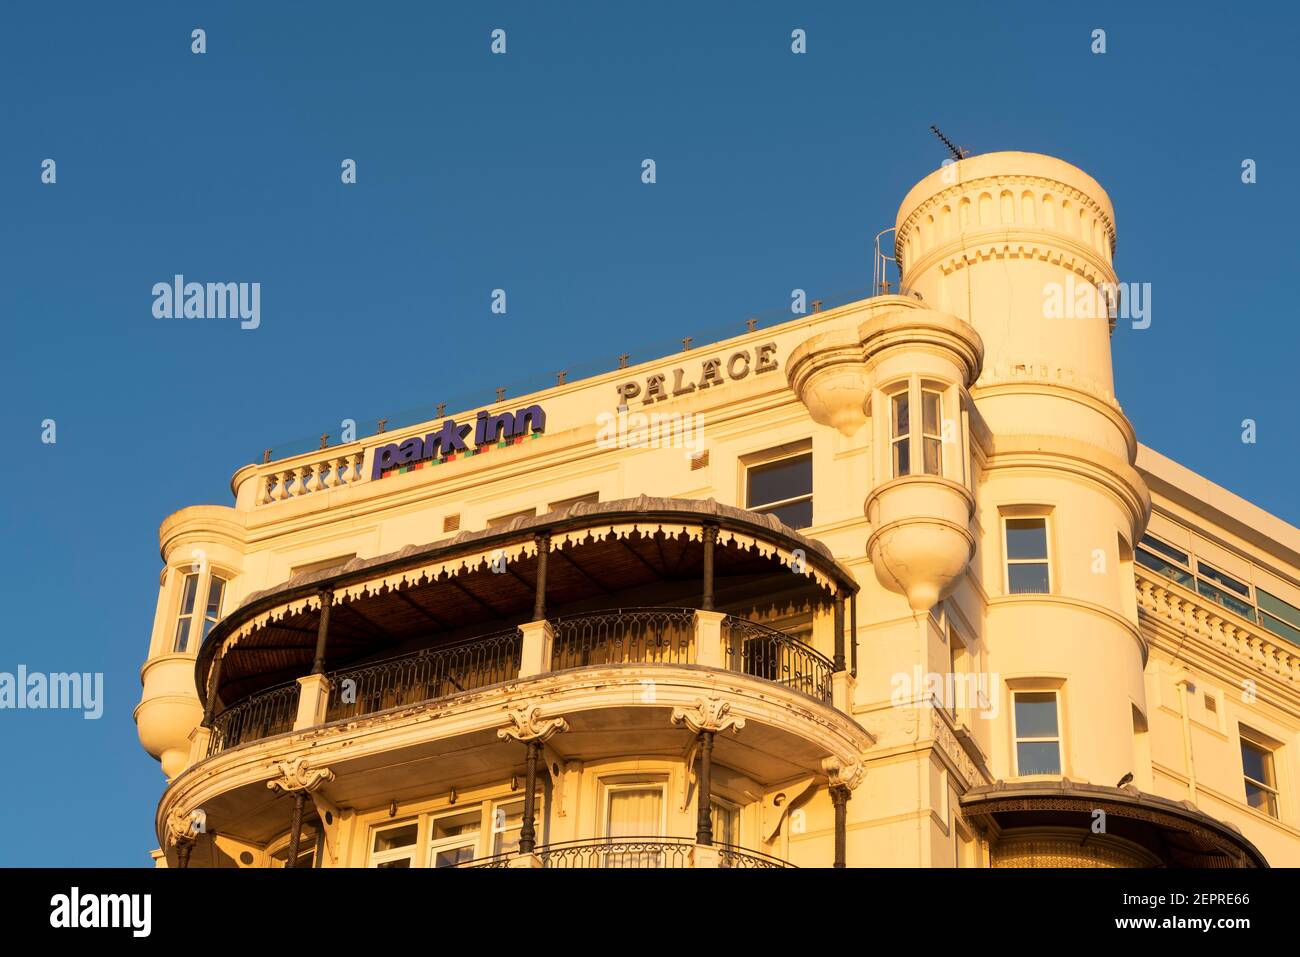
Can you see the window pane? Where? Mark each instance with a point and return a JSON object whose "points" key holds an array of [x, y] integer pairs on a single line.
{"points": [[902, 419], [1257, 763], [902, 458], [456, 825], [507, 821], [1226, 600], [1038, 757], [1280, 628], [1261, 799], [933, 459], [1158, 565], [182, 640], [930, 413], [1214, 574], [796, 514], [216, 591], [453, 856], [777, 481], [635, 812], [726, 824], [400, 862], [188, 594], [1026, 538], [1167, 550], [1036, 715], [1278, 608], [1028, 579], [395, 837]]}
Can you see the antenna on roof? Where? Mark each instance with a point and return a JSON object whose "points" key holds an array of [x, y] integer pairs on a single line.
{"points": [[958, 152]]}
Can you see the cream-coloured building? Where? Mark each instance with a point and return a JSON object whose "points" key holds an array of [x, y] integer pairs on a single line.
{"points": [[888, 584]]}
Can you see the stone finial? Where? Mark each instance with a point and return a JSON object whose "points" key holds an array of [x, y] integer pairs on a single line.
{"points": [[711, 715], [527, 724]]}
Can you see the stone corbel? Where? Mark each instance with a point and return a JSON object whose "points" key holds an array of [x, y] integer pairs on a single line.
{"points": [[527, 724], [711, 715], [843, 774], [298, 775]]}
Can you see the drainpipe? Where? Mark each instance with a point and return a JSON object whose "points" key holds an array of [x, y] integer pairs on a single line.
{"points": [[1183, 702]]}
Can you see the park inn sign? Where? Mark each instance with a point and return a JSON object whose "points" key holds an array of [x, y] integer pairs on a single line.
{"points": [[448, 443]]}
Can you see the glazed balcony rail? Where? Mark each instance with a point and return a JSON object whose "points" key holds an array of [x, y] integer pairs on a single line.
{"points": [[1198, 615], [755, 649], [636, 853], [259, 716], [426, 675], [657, 636], [625, 636]]}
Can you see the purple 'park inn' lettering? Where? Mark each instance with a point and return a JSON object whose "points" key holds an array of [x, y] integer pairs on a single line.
{"points": [[451, 438]]}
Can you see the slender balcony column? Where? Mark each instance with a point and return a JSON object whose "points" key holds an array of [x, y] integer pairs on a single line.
{"points": [[704, 792], [853, 634], [528, 725], [528, 830], [322, 632], [710, 540], [214, 679], [842, 776], [298, 778], [539, 598], [839, 631], [295, 828], [183, 854], [840, 799], [705, 720]]}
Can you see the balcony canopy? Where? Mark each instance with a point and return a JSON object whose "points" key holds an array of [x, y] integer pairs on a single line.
{"points": [[600, 555]]}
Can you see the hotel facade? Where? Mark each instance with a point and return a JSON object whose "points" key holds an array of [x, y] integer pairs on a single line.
{"points": [[892, 583]]}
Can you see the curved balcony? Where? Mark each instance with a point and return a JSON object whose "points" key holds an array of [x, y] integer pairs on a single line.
{"points": [[636, 853], [623, 636], [645, 630]]}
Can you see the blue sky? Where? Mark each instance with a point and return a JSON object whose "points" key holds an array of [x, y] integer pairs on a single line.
{"points": [[522, 172]]}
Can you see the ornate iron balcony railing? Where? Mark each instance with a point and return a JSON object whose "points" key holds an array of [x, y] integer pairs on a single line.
{"points": [[764, 652], [426, 675], [634, 853], [258, 716], [625, 636]]}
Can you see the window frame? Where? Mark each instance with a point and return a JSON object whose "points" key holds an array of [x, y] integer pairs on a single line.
{"points": [[1007, 561], [409, 852], [1248, 738], [434, 846], [1016, 739], [196, 625], [779, 456]]}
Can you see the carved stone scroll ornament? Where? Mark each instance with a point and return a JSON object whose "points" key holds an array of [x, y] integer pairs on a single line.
{"points": [[180, 826], [844, 774], [527, 724], [711, 715], [298, 775]]}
